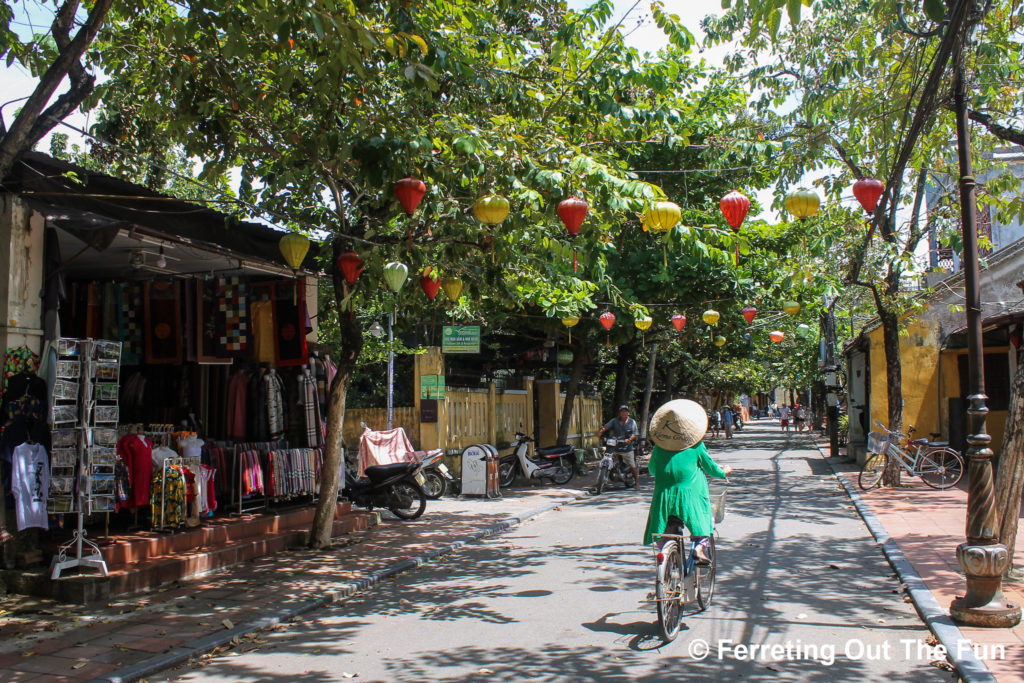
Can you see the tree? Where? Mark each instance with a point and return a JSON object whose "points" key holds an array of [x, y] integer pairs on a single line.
{"points": [[326, 109], [51, 58], [868, 90]]}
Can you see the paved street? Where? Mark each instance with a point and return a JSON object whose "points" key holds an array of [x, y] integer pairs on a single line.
{"points": [[563, 597]]}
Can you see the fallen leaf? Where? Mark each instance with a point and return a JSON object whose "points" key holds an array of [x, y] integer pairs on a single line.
{"points": [[228, 624], [345, 674], [485, 671], [79, 665]]}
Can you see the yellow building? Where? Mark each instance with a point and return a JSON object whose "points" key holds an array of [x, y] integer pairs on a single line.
{"points": [[933, 357]]}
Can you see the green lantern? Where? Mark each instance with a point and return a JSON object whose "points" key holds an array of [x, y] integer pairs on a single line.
{"points": [[395, 274], [564, 357]]}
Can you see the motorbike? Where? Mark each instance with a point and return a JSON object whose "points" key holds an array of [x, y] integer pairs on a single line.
{"points": [[397, 487], [435, 473], [554, 463], [613, 467]]}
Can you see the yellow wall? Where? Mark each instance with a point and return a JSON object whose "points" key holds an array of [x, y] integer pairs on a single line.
{"points": [[927, 383]]}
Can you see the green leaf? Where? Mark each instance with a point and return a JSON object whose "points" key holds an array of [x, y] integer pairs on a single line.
{"points": [[935, 10], [793, 7]]}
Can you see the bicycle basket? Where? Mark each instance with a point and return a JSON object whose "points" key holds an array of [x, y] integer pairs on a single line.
{"points": [[717, 493], [877, 442]]}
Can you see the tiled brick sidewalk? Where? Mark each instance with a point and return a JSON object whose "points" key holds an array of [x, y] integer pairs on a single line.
{"points": [[928, 525], [48, 641]]}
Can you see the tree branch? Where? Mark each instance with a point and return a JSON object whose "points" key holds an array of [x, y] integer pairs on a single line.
{"points": [[1005, 133]]}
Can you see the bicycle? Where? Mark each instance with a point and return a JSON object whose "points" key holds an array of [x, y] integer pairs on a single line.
{"points": [[680, 581], [938, 465]]}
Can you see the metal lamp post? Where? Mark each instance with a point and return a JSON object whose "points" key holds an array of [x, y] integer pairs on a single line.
{"points": [[377, 331], [982, 557]]}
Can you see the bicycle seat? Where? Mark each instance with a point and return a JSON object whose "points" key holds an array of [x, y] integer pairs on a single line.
{"points": [[922, 442]]}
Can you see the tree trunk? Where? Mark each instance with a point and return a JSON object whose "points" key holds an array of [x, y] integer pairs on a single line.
{"points": [[624, 374], [1009, 485], [351, 346], [645, 409], [579, 359], [894, 385]]}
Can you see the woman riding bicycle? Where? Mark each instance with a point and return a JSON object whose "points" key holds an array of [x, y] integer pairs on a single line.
{"points": [[678, 464]]}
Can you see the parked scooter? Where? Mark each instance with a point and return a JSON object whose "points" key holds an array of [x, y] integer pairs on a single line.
{"points": [[613, 467], [397, 487], [435, 473], [554, 463]]}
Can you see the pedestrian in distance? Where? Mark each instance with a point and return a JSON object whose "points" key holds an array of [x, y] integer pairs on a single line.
{"points": [[714, 422], [784, 418], [623, 428], [728, 421], [679, 463], [799, 417]]}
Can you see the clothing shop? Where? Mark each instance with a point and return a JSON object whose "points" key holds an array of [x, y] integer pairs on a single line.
{"points": [[161, 366]]}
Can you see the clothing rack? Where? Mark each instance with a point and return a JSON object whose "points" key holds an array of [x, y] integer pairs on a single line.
{"points": [[250, 471]]}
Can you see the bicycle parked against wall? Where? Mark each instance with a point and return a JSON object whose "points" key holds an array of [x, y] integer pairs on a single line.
{"points": [[937, 464]]}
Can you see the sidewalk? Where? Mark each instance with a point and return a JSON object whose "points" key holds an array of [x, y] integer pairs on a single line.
{"points": [[136, 635], [927, 525]]}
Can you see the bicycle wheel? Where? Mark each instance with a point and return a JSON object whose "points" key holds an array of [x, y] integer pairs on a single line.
{"points": [[506, 473], [941, 469], [668, 590], [706, 577], [408, 499], [871, 473], [601, 479]]}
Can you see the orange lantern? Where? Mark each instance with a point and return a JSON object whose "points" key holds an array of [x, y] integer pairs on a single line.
{"points": [[776, 336]]}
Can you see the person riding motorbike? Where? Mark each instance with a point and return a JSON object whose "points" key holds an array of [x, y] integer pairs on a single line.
{"points": [[678, 464], [623, 428]]}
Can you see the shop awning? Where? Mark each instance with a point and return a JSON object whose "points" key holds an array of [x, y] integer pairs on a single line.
{"points": [[995, 331]]}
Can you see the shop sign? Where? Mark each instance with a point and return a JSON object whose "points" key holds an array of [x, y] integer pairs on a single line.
{"points": [[460, 339], [431, 386]]}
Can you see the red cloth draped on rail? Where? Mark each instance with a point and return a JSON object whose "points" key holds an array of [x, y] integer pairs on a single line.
{"points": [[384, 448]]}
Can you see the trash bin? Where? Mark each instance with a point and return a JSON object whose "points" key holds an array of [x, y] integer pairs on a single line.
{"points": [[480, 471]]}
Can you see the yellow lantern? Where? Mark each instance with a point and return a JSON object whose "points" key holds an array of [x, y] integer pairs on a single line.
{"points": [[570, 322], [803, 203], [294, 248], [719, 340], [662, 216], [791, 307], [452, 287], [643, 323], [491, 209], [711, 316]]}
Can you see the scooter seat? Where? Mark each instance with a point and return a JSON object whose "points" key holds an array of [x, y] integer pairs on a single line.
{"points": [[554, 451], [381, 472]]}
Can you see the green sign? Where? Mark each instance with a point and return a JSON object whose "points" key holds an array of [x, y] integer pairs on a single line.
{"points": [[460, 339], [431, 386]]}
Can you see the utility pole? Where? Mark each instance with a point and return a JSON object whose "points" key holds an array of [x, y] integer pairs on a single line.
{"points": [[648, 386], [828, 334]]}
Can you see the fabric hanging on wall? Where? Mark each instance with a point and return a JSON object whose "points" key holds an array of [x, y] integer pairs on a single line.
{"points": [[130, 323], [275, 404], [163, 322], [237, 392], [263, 330], [233, 325], [110, 310], [206, 323], [290, 346]]}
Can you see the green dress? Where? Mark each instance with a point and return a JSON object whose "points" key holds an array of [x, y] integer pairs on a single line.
{"points": [[681, 489]]}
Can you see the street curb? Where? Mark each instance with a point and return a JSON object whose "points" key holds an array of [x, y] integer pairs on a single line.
{"points": [[969, 667], [179, 655]]}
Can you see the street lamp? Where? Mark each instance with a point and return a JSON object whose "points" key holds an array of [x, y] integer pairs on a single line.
{"points": [[377, 331], [982, 557]]}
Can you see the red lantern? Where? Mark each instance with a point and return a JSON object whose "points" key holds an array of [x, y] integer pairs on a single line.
{"points": [[678, 320], [734, 207], [749, 312], [607, 319], [1015, 339], [572, 211], [868, 191], [410, 193], [430, 285], [350, 266]]}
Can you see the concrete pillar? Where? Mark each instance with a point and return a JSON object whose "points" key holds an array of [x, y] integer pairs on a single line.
{"points": [[21, 291], [492, 414], [431, 435], [528, 422]]}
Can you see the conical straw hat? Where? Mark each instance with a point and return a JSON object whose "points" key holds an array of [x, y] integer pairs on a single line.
{"points": [[678, 425]]}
